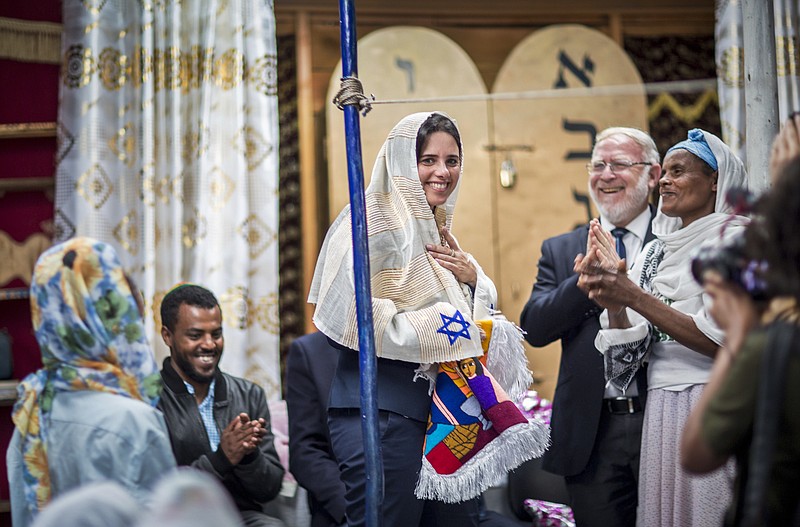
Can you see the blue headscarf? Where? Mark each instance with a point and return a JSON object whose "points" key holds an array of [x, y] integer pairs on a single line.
{"points": [[697, 145], [730, 173]]}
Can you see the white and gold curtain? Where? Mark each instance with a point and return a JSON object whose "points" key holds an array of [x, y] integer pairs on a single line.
{"points": [[730, 66], [168, 148]]}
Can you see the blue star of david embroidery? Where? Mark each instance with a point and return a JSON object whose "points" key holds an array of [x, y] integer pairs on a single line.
{"points": [[452, 335]]}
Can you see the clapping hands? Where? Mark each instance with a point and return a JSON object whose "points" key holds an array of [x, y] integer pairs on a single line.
{"points": [[241, 437], [603, 274], [601, 254]]}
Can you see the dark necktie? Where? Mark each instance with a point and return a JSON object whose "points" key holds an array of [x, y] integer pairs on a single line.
{"points": [[618, 234]]}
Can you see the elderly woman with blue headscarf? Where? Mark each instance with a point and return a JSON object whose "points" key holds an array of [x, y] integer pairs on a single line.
{"points": [[658, 315], [89, 413]]}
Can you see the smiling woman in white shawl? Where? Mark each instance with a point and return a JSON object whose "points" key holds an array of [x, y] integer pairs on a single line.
{"points": [[427, 295], [410, 290], [658, 314]]}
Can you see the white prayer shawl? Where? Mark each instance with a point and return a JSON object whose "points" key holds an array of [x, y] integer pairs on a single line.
{"points": [[672, 365], [674, 279], [417, 304]]}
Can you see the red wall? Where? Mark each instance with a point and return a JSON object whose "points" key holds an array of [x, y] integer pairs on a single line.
{"points": [[29, 93]]}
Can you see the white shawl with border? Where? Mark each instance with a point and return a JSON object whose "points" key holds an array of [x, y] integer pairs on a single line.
{"points": [[420, 311]]}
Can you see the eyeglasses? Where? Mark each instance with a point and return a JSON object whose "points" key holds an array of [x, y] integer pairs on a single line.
{"points": [[617, 167]]}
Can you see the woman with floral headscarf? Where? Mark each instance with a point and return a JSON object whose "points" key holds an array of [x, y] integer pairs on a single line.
{"points": [[660, 315], [89, 413]]}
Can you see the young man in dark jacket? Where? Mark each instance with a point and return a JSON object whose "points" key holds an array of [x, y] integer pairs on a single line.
{"points": [[217, 422]]}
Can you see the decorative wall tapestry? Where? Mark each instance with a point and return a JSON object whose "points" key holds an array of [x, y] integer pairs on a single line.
{"points": [[671, 58], [168, 149], [730, 66]]}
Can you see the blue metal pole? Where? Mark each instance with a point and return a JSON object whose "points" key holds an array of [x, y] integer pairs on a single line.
{"points": [[358, 218]]}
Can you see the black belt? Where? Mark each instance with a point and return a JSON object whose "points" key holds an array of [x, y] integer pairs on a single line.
{"points": [[623, 405]]}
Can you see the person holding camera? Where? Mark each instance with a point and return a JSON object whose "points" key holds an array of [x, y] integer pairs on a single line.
{"points": [[738, 414], [659, 315]]}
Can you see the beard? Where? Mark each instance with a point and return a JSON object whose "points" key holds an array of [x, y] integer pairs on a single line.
{"points": [[631, 206], [189, 370]]}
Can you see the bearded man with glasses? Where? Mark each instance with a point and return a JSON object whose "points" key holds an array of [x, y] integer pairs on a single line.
{"points": [[595, 429]]}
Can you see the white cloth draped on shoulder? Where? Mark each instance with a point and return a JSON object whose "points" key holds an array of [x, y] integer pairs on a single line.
{"points": [[422, 314], [413, 297]]}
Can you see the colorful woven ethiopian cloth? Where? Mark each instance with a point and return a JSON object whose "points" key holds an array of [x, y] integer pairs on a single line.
{"points": [[476, 433]]}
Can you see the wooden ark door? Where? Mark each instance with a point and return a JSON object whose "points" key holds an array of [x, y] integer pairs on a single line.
{"points": [[549, 141]]}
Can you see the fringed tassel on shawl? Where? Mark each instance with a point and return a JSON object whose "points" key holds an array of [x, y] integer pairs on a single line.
{"points": [[515, 446], [427, 372], [507, 359]]}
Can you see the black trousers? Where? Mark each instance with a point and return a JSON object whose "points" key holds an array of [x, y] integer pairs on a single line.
{"points": [[401, 441], [605, 494]]}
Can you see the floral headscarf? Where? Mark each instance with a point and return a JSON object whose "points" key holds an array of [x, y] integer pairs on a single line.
{"points": [[91, 336]]}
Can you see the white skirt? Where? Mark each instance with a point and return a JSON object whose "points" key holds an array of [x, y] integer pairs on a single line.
{"points": [[669, 496]]}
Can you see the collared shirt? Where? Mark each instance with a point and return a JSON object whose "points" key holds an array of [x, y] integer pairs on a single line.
{"points": [[634, 239], [206, 409]]}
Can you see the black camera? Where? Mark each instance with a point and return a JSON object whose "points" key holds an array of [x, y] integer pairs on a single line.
{"points": [[731, 259], [734, 265]]}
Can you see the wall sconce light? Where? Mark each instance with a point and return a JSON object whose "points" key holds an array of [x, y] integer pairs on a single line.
{"points": [[508, 173]]}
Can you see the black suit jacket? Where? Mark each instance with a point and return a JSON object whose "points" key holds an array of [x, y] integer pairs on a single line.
{"points": [[309, 371], [557, 309]]}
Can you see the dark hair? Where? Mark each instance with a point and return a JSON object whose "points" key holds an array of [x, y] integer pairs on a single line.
{"points": [[135, 292], [437, 123], [478, 365], [706, 168], [189, 294], [774, 235]]}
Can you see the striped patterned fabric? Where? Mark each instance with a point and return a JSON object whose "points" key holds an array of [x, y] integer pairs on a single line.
{"points": [[420, 311]]}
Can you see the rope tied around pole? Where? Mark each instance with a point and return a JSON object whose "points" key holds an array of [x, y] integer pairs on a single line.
{"points": [[351, 93]]}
